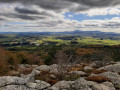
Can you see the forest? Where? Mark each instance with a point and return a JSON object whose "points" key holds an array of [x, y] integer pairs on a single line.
{"points": [[54, 48]]}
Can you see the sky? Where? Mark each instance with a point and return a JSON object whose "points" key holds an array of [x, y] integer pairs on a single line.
{"points": [[59, 15]]}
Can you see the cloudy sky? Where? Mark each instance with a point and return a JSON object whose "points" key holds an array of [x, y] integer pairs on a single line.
{"points": [[59, 15]]}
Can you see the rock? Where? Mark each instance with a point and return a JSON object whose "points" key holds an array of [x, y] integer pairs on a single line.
{"points": [[114, 77], [17, 83], [63, 85], [100, 63], [53, 76], [32, 85], [92, 74], [80, 84], [38, 85], [54, 68], [30, 77], [27, 82], [52, 88], [41, 84], [87, 68], [35, 66], [111, 68], [43, 68], [110, 85], [78, 72], [8, 80], [93, 65], [12, 83], [24, 66], [15, 87], [102, 86]]}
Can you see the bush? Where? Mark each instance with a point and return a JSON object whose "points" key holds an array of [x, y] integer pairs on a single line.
{"points": [[26, 58], [8, 61]]}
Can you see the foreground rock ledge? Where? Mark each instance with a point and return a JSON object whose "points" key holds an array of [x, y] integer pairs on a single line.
{"points": [[27, 82]]}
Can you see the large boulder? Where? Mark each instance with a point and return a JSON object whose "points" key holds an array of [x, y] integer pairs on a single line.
{"points": [[114, 77], [103, 86], [64, 85], [110, 85], [111, 68], [8, 80], [82, 84], [12, 83], [17, 83], [15, 87], [54, 68]]}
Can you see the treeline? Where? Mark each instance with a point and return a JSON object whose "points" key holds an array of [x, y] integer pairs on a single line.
{"points": [[10, 60]]}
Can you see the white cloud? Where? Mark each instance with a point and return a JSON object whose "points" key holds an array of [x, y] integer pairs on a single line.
{"points": [[39, 19], [102, 11], [70, 16], [114, 11], [95, 12]]}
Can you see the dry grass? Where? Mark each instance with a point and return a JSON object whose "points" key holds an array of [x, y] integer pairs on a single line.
{"points": [[98, 71], [98, 79], [13, 73], [25, 71], [52, 82], [77, 69]]}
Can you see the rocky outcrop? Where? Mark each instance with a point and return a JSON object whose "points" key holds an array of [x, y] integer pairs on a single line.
{"points": [[114, 77], [111, 68], [28, 82], [17, 83], [64, 85]]}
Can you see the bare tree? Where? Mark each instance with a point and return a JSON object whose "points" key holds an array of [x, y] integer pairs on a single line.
{"points": [[63, 61]]}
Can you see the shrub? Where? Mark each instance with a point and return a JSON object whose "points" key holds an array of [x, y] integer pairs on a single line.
{"points": [[26, 58], [8, 61]]}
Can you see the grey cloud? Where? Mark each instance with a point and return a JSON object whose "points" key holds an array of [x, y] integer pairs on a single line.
{"points": [[25, 17], [22, 16], [1, 19], [96, 3], [52, 23], [58, 5], [111, 25], [91, 25], [32, 11], [25, 11], [89, 4]]}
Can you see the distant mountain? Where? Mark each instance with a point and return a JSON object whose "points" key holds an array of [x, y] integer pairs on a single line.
{"points": [[95, 34]]}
